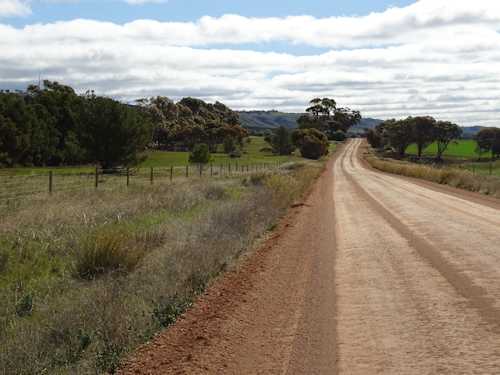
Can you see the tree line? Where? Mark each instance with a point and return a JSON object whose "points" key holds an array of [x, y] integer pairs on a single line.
{"points": [[398, 135], [53, 126], [322, 122]]}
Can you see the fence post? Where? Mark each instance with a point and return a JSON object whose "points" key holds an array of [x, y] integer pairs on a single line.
{"points": [[96, 177], [171, 173], [211, 170], [151, 176], [128, 176], [229, 168], [201, 170], [50, 182]]}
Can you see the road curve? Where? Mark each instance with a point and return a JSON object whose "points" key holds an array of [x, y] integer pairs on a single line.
{"points": [[374, 274]]}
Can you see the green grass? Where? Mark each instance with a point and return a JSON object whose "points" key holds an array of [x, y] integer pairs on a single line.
{"points": [[252, 154], [466, 150], [460, 149]]}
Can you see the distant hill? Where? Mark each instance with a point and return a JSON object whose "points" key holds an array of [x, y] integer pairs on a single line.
{"points": [[264, 120], [268, 120], [470, 131]]}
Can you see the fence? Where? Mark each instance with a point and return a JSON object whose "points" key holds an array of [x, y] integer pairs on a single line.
{"points": [[14, 187]]}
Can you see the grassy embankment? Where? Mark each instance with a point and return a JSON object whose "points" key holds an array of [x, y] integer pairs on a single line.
{"points": [[463, 176], [86, 277]]}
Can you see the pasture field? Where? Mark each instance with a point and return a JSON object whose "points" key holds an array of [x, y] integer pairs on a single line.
{"points": [[462, 154], [463, 148], [252, 155], [86, 276]]}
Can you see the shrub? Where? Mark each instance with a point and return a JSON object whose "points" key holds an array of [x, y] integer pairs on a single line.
{"points": [[236, 153], [338, 136], [25, 306], [215, 192], [313, 144], [281, 141], [200, 154], [229, 145], [104, 252]]}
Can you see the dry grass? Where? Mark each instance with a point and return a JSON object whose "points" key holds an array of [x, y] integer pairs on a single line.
{"points": [[153, 249], [458, 178]]}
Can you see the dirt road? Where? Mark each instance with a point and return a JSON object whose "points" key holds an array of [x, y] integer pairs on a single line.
{"points": [[375, 274]]}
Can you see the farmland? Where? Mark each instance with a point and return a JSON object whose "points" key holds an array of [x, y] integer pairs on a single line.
{"points": [[462, 154], [460, 149], [252, 154]]}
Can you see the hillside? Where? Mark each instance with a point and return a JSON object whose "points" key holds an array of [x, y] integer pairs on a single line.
{"points": [[262, 120]]}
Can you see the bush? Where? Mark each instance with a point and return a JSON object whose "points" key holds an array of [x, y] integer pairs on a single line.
{"points": [[338, 136], [104, 252], [236, 153], [200, 154], [313, 144], [229, 145]]}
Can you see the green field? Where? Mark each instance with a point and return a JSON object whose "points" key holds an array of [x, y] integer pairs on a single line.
{"points": [[252, 154], [463, 154], [460, 149]]}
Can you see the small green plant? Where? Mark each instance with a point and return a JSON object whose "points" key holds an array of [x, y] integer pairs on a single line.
{"points": [[200, 154], [169, 309], [104, 252], [25, 306]]}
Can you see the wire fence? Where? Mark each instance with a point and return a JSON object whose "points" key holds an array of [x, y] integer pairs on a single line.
{"points": [[14, 187]]}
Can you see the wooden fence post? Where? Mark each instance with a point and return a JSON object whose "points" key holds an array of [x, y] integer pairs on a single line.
{"points": [[50, 182], [151, 176], [128, 176], [229, 168], [96, 177], [171, 173], [201, 170]]}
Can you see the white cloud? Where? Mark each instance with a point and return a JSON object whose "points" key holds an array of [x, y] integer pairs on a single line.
{"points": [[432, 57], [10, 8]]}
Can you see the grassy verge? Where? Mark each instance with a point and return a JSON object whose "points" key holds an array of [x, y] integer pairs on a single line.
{"points": [[459, 178], [86, 277]]}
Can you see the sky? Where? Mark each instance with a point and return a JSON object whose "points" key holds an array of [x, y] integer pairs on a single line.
{"points": [[388, 59]]}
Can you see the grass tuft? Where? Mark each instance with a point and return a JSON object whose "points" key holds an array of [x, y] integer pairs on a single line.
{"points": [[106, 251]]}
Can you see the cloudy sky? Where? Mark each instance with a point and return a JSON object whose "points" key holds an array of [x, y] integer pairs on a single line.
{"points": [[386, 58]]}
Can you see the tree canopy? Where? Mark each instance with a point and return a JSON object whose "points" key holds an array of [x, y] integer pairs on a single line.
{"points": [[324, 115], [422, 131], [192, 121]]}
